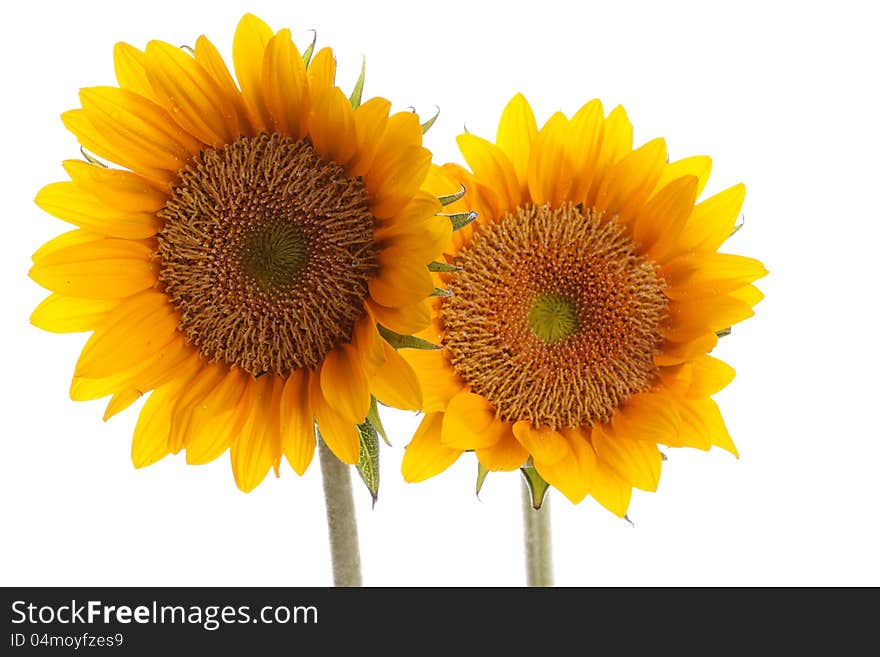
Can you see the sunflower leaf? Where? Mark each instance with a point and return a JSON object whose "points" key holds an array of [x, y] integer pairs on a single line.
{"points": [[357, 92], [536, 485], [442, 267], [461, 219], [482, 471], [427, 124], [440, 292], [399, 341], [368, 460], [452, 198], [307, 55], [374, 419]]}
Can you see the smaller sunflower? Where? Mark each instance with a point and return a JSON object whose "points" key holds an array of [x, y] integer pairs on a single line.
{"points": [[581, 307], [243, 254]]}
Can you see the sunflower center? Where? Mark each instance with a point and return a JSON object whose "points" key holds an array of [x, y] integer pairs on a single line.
{"points": [[266, 253], [554, 317]]}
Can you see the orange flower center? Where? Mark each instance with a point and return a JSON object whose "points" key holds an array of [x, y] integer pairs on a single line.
{"points": [[266, 253], [554, 317]]}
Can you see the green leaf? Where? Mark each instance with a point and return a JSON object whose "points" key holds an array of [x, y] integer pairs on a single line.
{"points": [[307, 55], [482, 471], [442, 267], [440, 292], [374, 419], [723, 332], [357, 92], [452, 198], [737, 227], [427, 124], [460, 219], [536, 484], [91, 158], [399, 341], [368, 460]]}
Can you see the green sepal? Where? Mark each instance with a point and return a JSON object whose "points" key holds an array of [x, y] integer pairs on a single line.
{"points": [[368, 459], [91, 159], [188, 49], [440, 292], [307, 55], [461, 219], [452, 198], [357, 92], [482, 471], [399, 341], [737, 227], [374, 419], [442, 267], [536, 485], [723, 332], [427, 124]]}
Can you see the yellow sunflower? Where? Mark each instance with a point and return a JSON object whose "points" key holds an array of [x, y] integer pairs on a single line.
{"points": [[582, 306], [242, 256]]}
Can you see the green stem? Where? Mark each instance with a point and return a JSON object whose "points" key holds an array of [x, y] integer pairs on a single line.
{"points": [[341, 520], [536, 532]]}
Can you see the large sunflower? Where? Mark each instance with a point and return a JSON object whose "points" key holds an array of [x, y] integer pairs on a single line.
{"points": [[582, 306], [241, 258]]}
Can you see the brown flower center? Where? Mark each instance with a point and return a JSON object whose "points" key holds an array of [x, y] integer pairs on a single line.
{"points": [[266, 252], [554, 318]]}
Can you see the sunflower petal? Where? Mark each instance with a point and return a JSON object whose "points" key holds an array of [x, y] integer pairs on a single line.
{"points": [[401, 280], [406, 320], [697, 165], [469, 423], [630, 182], [218, 420], [516, 130], [426, 455], [116, 188], [584, 145], [344, 384], [617, 140], [492, 168], [437, 379], [128, 63], [659, 222], [321, 73], [209, 57], [395, 383], [340, 435], [284, 85], [370, 121], [636, 461], [573, 474], [394, 181], [248, 48], [543, 443], [698, 276], [297, 422], [506, 455], [150, 441], [61, 314], [551, 171], [712, 221], [646, 416], [259, 446], [610, 489]]}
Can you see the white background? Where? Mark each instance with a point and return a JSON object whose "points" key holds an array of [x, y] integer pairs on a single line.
{"points": [[781, 95]]}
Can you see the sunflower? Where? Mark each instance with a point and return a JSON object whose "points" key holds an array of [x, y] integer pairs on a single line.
{"points": [[581, 307], [243, 254]]}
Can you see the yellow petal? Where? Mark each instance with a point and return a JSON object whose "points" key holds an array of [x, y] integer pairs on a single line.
{"points": [[401, 280], [469, 423], [209, 57], [70, 202], [702, 275], [505, 455], [393, 181], [673, 353], [248, 48], [712, 221], [617, 140], [422, 238], [688, 320], [104, 145], [297, 422], [191, 95], [331, 127], [395, 383], [344, 384], [64, 240], [437, 379], [630, 182], [516, 130], [340, 435], [636, 461], [259, 446], [100, 269], [551, 172], [203, 384], [697, 165], [660, 221], [116, 188], [543, 443], [573, 474], [405, 320], [708, 376], [139, 127], [217, 421], [584, 145], [321, 73], [369, 344], [692, 430], [646, 416], [131, 74], [61, 314], [139, 327], [370, 121], [426, 455], [284, 85], [713, 424], [150, 440], [610, 490], [492, 169]]}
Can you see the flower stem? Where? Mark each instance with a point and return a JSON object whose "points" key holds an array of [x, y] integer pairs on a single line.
{"points": [[341, 520], [536, 532]]}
